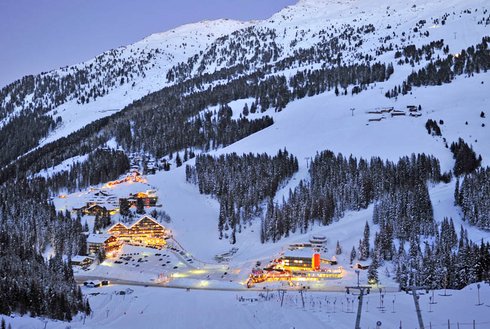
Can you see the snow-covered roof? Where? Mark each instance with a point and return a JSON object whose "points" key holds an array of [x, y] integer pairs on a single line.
{"points": [[303, 253], [149, 217], [79, 258], [116, 225], [98, 238]]}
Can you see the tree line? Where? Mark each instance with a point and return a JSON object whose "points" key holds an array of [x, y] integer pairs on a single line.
{"points": [[337, 184], [241, 184], [101, 166], [472, 195], [474, 59], [29, 227]]}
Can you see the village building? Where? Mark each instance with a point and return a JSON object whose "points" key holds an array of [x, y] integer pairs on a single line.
{"points": [[412, 108], [387, 109], [148, 198], [97, 207], [145, 232], [301, 259], [318, 240], [97, 242], [81, 260], [397, 113], [94, 210]]}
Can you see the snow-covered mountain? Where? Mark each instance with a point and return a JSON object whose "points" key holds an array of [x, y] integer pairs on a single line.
{"points": [[308, 36], [320, 75], [311, 35], [317, 33]]}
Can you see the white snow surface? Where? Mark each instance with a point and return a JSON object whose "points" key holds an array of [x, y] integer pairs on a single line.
{"points": [[150, 308], [304, 127]]}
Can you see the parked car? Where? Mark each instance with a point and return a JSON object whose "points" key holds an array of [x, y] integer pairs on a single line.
{"points": [[92, 284]]}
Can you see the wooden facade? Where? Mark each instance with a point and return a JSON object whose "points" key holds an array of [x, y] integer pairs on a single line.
{"points": [[96, 242], [132, 200], [146, 231], [94, 210]]}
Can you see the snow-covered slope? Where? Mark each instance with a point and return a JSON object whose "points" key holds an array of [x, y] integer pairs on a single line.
{"points": [[320, 122], [168, 49], [326, 122], [109, 82], [363, 31]]}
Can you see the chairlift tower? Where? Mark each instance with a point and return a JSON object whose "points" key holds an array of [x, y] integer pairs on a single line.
{"points": [[363, 290], [413, 291]]}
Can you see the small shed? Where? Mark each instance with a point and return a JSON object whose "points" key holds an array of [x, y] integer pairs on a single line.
{"points": [[81, 260]]}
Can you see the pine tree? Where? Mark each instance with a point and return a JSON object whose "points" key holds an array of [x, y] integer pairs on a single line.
{"points": [[353, 254], [373, 271], [87, 308], [140, 206], [365, 246], [456, 192], [100, 255], [178, 161], [338, 248], [245, 110]]}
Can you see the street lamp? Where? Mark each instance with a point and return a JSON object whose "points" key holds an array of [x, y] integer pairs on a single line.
{"points": [[478, 287], [357, 272]]}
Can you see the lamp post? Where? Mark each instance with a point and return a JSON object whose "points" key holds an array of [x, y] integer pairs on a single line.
{"points": [[357, 272], [478, 288]]}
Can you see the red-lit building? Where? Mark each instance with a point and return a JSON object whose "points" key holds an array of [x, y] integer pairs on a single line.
{"points": [[301, 259]]}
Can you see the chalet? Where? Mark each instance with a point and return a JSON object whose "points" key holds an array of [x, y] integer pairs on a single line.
{"points": [[148, 198], [412, 108], [146, 231], [94, 209], [106, 242], [375, 119], [81, 260], [375, 112], [416, 115]]}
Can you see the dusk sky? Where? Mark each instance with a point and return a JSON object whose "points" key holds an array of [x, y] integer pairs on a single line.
{"points": [[41, 35]]}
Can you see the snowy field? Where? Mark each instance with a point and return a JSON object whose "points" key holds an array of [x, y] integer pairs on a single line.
{"points": [[148, 307]]}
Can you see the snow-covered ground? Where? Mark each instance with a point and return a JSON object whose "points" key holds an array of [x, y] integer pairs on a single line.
{"points": [[151, 307], [322, 122], [304, 127]]}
